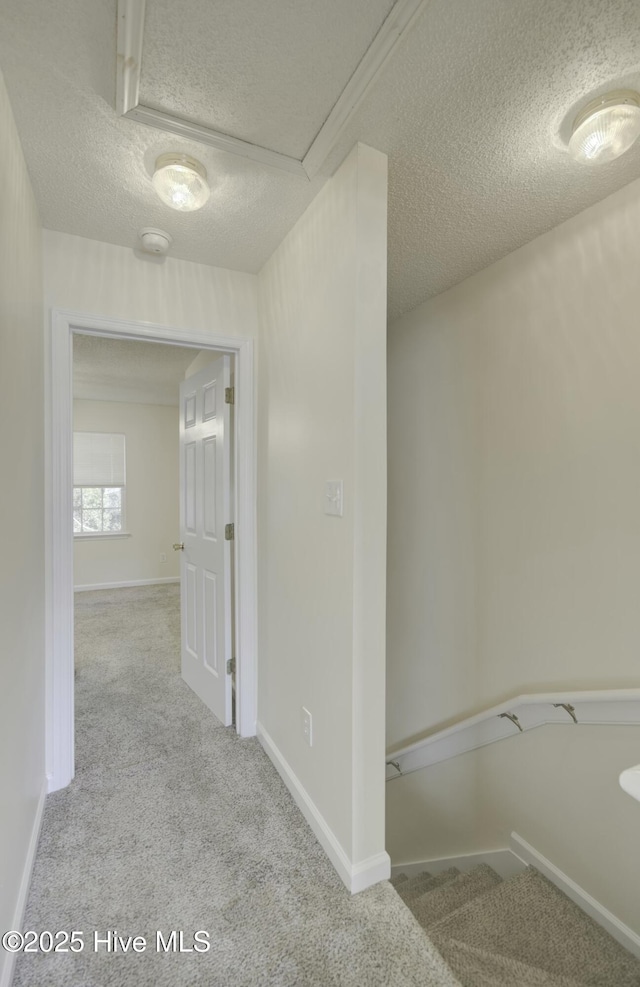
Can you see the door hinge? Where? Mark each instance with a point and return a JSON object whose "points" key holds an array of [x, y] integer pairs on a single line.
{"points": [[231, 666], [229, 395], [229, 532]]}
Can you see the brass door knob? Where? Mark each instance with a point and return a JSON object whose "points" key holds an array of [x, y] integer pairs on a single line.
{"points": [[179, 546]]}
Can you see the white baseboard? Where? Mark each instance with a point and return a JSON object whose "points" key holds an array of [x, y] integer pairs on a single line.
{"points": [[7, 967], [504, 862], [85, 587], [356, 877], [621, 932]]}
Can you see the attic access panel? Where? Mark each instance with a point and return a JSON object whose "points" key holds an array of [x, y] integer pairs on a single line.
{"points": [[265, 71]]}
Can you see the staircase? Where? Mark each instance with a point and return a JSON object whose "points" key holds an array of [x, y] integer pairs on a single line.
{"points": [[520, 932]]}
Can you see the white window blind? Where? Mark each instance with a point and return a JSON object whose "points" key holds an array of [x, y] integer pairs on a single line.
{"points": [[98, 459]]}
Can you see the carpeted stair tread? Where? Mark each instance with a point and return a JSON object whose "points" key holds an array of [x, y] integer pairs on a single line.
{"points": [[440, 902], [398, 879], [478, 968], [528, 919], [414, 882], [418, 886]]}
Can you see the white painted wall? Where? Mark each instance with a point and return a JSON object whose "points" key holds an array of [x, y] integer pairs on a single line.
{"points": [[22, 607], [200, 362], [322, 414], [103, 279], [152, 491], [514, 541]]}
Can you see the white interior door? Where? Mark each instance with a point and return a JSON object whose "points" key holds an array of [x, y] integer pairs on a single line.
{"points": [[205, 505]]}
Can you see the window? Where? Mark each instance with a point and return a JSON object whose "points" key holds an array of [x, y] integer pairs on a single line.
{"points": [[98, 483], [96, 510]]}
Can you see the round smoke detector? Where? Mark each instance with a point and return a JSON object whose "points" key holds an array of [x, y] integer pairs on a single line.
{"points": [[154, 241]]}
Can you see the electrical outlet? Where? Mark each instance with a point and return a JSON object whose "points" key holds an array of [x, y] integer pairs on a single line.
{"points": [[163, 556], [333, 502], [307, 726]]}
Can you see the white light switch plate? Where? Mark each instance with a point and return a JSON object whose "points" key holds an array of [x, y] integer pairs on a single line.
{"points": [[333, 497]]}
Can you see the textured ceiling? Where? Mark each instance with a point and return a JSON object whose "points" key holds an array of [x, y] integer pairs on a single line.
{"points": [[128, 370], [472, 110], [313, 46]]}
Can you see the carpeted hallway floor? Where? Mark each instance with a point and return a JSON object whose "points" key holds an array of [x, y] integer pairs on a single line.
{"points": [[172, 822]]}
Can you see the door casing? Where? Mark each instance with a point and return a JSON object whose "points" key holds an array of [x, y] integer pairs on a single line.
{"points": [[59, 665]]}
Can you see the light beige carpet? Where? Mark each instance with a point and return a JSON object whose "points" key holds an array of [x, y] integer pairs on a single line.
{"points": [[173, 823], [523, 932]]}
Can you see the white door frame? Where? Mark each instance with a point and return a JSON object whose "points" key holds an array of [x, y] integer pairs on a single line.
{"points": [[59, 530]]}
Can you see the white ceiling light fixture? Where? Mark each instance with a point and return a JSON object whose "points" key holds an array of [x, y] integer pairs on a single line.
{"points": [[606, 127], [181, 182]]}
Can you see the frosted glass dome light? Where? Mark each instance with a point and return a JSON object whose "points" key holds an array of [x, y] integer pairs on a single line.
{"points": [[606, 127], [181, 182]]}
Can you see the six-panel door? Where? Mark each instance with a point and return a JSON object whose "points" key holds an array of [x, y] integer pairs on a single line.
{"points": [[205, 502]]}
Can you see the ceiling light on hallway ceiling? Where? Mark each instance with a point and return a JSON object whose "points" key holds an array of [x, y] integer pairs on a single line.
{"points": [[181, 182], [606, 127]]}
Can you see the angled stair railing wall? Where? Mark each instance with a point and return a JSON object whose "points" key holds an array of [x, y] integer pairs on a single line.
{"points": [[525, 712]]}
